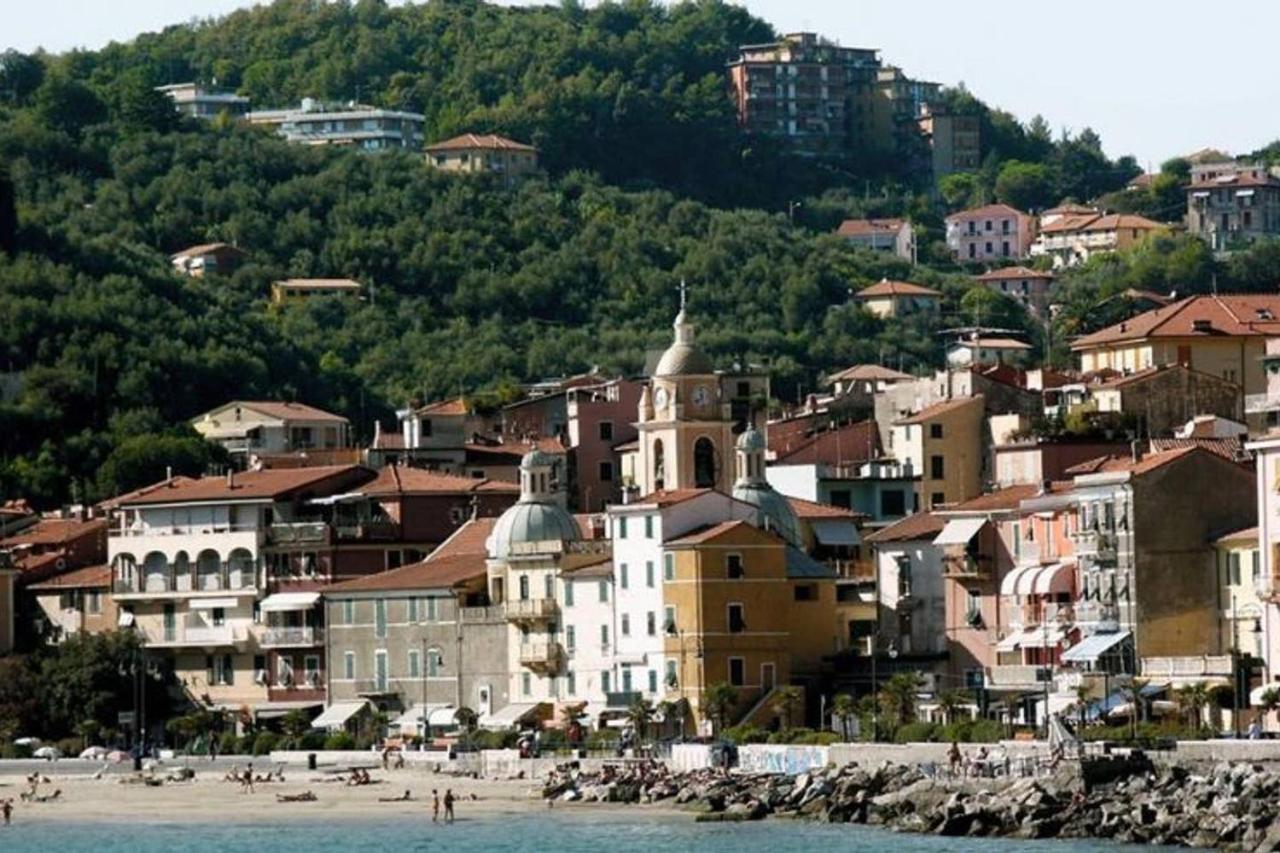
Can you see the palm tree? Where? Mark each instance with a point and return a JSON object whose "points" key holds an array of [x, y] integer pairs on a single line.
{"points": [[720, 701], [1137, 703], [898, 696], [466, 719], [640, 714], [1269, 700], [672, 711], [950, 703], [1191, 700], [1082, 703], [844, 707], [785, 700]]}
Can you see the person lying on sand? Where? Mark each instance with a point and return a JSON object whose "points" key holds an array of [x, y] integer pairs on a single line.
{"points": [[304, 797], [406, 797], [49, 798]]}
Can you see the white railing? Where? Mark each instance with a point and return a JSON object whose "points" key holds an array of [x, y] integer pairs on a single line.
{"points": [[1018, 675], [298, 636], [205, 529], [1258, 403], [194, 633], [539, 653], [531, 608], [1205, 666]]}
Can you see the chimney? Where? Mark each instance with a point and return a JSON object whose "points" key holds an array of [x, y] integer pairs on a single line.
{"points": [[168, 472], [1135, 448]]}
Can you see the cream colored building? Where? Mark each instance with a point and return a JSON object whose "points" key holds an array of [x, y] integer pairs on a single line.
{"points": [[898, 298], [943, 443], [473, 153], [290, 289], [256, 427]]}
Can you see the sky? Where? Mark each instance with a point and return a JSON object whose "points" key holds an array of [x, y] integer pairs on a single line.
{"points": [[1144, 75]]}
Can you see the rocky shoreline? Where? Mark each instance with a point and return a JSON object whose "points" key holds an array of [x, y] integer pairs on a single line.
{"points": [[1129, 800]]}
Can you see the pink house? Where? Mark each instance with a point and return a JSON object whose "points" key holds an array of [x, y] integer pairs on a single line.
{"points": [[990, 233]]}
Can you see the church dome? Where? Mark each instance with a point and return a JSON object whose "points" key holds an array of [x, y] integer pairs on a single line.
{"points": [[751, 441], [530, 521], [536, 458], [683, 358], [773, 511]]}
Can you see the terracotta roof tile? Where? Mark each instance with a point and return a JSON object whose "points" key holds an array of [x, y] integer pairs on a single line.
{"points": [[269, 484], [1001, 499], [812, 510], [485, 141], [286, 411], [1243, 315], [1228, 448], [89, 577], [469, 539], [1237, 181], [714, 531], [849, 444], [869, 227], [1249, 534], [432, 573], [400, 480], [921, 525], [671, 497], [456, 406], [930, 412], [985, 211], [54, 532], [1006, 273], [869, 372], [884, 287]]}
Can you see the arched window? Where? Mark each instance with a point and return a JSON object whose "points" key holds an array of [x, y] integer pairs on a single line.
{"points": [[208, 570], [155, 572], [126, 570], [704, 463], [182, 572], [240, 569], [659, 465]]}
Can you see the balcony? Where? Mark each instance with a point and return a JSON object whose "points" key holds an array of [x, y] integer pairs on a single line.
{"points": [[282, 638], [967, 566], [1033, 615], [541, 657], [1257, 404], [1018, 677], [167, 585], [1094, 542], [192, 633], [862, 571], [528, 610], [1187, 668], [622, 699], [483, 615], [369, 531], [300, 533]]}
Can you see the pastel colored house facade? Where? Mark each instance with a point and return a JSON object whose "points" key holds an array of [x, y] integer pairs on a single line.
{"points": [[996, 232]]}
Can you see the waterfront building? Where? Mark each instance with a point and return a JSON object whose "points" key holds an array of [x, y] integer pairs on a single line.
{"points": [[910, 603]]}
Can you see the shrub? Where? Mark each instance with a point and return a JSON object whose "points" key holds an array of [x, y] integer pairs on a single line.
{"points": [[747, 733], [812, 738], [553, 739], [265, 742], [312, 741], [972, 731], [69, 746], [604, 739], [13, 750], [229, 744], [918, 732], [339, 741]]}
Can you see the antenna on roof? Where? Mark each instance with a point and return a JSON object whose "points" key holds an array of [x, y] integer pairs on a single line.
{"points": [[684, 293]]}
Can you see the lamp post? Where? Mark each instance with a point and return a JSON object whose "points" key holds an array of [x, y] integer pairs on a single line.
{"points": [[1235, 668]]}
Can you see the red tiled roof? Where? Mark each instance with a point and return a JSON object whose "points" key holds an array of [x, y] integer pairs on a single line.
{"points": [[206, 248], [930, 412], [870, 372], [671, 497], [868, 227], [1115, 221], [884, 287], [985, 211], [399, 480], [36, 567], [1237, 181], [848, 444], [1063, 209], [54, 531], [812, 510], [1228, 448], [269, 484], [469, 539], [1249, 534], [286, 411], [89, 577], [1070, 223], [711, 532], [921, 525], [1007, 273], [113, 503], [1149, 462], [1146, 373], [456, 406], [1227, 316], [1001, 499], [437, 573], [484, 141]]}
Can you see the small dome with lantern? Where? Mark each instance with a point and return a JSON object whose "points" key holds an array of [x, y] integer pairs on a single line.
{"points": [[537, 516]]}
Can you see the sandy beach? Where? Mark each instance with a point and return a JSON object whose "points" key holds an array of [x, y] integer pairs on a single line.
{"points": [[210, 799]]}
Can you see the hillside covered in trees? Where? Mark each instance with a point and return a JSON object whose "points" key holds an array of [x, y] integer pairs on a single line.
{"points": [[473, 287]]}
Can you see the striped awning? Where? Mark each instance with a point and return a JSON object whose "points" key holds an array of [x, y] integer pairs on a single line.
{"points": [[1038, 579]]}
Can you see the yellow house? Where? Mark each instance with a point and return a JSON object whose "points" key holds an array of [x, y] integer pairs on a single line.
{"points": [[943, 444], [1220, 335], [898, 298], [1239, 590], [727, 621], [290, 289], [744, 609], [474, 153]]}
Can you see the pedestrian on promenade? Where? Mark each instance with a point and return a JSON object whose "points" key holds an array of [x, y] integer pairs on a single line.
{"points": [[448, 805], [435, 806]]}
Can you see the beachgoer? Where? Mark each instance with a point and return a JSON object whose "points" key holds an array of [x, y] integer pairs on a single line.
{"points": [[953, 756], [1255, 731], [448, 805], [386, 758], [435, 806], [6, 808], [213, 747]]}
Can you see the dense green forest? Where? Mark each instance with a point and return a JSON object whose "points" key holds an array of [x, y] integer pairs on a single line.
{"points": [[473, 287]]}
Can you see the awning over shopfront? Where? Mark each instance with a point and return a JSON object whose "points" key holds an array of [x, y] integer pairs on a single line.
{"points": [[1032, 638], [510, 716], [836, 531], [212, 603], [283, 601], [959, 531], [275, 710], [1038, 579], [1093, 647], [436, 713], [337, 714]]}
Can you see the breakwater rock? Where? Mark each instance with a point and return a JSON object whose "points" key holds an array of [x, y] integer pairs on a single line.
{"points": [[1231, 807]]}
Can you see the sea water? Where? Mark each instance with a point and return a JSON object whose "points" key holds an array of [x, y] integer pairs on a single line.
{"points": [[563, 831]]}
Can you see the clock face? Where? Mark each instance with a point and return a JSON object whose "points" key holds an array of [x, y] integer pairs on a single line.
{"points": [[660, 398], [701, 395]]}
